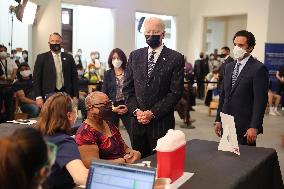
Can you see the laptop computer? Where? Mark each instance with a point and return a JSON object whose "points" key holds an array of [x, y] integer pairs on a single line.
{"points": [[106, 175]]}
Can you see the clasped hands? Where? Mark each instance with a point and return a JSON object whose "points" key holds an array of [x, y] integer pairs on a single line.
{"points": [[144, 117]]}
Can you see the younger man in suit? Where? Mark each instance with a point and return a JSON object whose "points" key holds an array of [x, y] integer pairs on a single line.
{"points": [[244, 91]]}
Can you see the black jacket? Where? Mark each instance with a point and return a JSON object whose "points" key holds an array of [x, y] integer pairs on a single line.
{"points": [[44, 75], [247, 100]]}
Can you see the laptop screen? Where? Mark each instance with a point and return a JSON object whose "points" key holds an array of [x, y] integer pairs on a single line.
{"points": [[104, 175]]}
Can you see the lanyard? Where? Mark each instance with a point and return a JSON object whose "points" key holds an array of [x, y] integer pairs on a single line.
{"points": [[5, 67]]}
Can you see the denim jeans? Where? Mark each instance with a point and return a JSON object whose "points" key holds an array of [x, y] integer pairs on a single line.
{"points": [[31, 109]]}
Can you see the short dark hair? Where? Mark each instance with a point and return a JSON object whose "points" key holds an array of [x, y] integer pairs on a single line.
{"points": [[121, 55], [226, 48], [201, 55], [4, 47], [250, 37]]}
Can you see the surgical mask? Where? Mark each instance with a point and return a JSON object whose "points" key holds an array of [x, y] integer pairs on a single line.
{"points": [[79, 53], [25, 55], [3, 54], [223, 55], [239, 52], [26, 73], [92, 70], [153, 40], [80, 72], [116, 63], [55, 47], [77, 59], [105, 112], [96, 56]]}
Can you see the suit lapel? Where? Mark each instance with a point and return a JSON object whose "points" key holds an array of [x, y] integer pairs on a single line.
{"points": [[163, 58], [145, 64], [51, 60], [242, 74]]}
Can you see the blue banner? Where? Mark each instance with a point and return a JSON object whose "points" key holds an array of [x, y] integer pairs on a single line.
{"points": [[274, 56]]}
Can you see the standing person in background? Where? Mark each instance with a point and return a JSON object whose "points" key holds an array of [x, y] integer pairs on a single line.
{"points": [[226, 58], [153, 86], [199, 72], [7, 77], [244, 91], [112, 87], [25, 159], [55, 71], [280, 79]]}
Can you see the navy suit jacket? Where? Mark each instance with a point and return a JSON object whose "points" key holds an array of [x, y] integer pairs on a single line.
{"points": [[247, 99], [44, 75], [109, 84], [158, 93]]}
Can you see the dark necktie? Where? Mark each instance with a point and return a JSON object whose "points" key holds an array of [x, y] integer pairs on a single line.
{"points": [[151, 63], [235, 73]]}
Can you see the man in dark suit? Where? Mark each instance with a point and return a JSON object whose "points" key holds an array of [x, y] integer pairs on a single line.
{"points": [[55, 71], [199, 74], [244, 91], [225, 54], [152, 87]]}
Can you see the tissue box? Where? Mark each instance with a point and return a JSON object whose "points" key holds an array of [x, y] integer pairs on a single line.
{"points": [[171, 164]]}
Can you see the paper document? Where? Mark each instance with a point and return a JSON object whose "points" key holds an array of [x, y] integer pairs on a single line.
{"points": [[229, 141]]}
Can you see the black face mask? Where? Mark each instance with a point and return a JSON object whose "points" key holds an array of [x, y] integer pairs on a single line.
{"points": [[153, 40], [222, 55], [105, 112], [55, 47]]}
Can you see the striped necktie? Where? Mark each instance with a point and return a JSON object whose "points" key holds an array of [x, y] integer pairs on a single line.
{"points": [[235, 73], [151, 63]]}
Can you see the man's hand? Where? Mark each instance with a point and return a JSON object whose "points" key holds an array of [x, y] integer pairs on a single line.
{"points": [[121, 109], [144, 117], [39, 102], [218, 128], [251, 135]]}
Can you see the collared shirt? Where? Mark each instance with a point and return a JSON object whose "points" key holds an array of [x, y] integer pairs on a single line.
{"points": [[243, 63], [60, 62], [157, 54], [56, 54]]}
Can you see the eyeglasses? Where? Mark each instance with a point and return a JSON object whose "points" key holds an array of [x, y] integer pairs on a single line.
{"points": [[52, 151], [107, 103]]}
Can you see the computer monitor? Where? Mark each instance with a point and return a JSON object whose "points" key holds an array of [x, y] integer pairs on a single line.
{"points": [[106, 175]]}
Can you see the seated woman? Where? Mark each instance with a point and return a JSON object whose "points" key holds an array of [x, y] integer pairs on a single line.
{"points": [[58, 114], [23, 89], [98, 138], [24, 161]]}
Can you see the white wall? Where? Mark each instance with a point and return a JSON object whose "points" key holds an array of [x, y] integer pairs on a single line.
{"points": [[124, 18], [92, 30], [257, 11], [235, 23], [275, 33], [216, 38], [49, 21], [20, 31]]}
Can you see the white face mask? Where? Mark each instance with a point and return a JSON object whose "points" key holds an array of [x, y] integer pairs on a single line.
{"points": [[25, 55], [26, 73], [239, 52], [80, 72], [77, 59], [97, 64], [92, 70], [116, 63], [3, 55]]}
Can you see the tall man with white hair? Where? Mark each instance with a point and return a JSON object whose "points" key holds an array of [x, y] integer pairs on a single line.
{"points": [[152, 87]]}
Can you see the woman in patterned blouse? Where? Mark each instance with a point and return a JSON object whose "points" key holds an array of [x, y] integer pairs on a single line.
{"points": [[99, 138]]}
